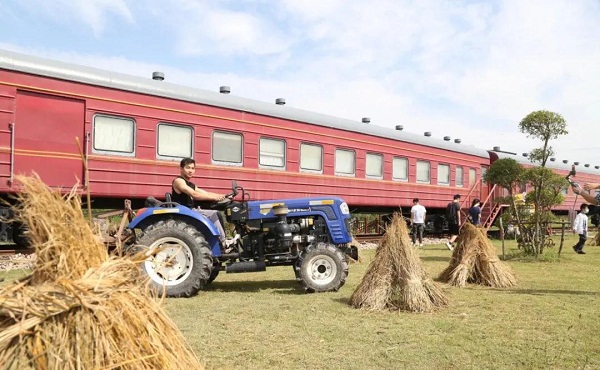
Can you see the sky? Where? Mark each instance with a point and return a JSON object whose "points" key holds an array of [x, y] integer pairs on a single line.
{"points": [[465, 69]]}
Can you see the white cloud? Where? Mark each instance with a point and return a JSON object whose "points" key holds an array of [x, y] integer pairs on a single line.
{"points": [[466, 69]]}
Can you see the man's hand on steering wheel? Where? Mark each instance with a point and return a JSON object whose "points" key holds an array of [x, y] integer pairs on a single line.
{"points": [[222, 201]]}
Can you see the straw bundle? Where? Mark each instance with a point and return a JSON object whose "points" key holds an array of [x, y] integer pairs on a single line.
{"points": [[474, 260], [80, 308], [596, 240], [395, 279]]}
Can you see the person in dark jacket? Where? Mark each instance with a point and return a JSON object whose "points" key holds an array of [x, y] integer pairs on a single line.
{"points": [[475, 212]]}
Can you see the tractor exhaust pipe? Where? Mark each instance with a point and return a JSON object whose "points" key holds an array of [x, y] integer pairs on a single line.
{"points": [[246, 266]]}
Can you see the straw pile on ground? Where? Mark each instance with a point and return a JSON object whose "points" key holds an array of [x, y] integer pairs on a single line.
{"points": [[596, 240], [81, 308], [474, 260], [395, 279]]}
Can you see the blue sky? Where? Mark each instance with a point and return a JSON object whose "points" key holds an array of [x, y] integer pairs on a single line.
{"points": [[466, 69]]}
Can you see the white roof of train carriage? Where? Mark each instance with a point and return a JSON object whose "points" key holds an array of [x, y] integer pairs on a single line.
{"points": [[88, 75], [557, 164]]}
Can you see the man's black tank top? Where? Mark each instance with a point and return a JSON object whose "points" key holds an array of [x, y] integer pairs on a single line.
{"points": [[183, 199]]}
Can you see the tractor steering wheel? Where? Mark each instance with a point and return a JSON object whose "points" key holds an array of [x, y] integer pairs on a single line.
{"points": [[223, 202]]}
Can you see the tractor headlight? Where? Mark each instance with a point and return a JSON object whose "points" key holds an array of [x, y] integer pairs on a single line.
{"points": [[344, 208]]}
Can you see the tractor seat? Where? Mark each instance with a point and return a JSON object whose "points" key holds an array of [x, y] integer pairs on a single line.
{"points": [[152, 202]]}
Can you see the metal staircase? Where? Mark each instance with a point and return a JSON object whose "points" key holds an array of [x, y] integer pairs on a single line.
{"points": [[489, 221]]}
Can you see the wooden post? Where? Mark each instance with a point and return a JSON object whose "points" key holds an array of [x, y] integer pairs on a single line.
{"points": [[87, 174], [502, 237], [562, 237]]}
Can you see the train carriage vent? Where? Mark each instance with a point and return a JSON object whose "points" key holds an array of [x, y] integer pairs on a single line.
{"points": [[224, 89], [496, 149], [458, 141], [565, 161], [366, 120], [158, 76], [427, 133], [399, 127], [280, 101], [447, 138]]}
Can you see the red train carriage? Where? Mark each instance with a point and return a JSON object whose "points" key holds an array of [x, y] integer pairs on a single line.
{"points": [[134, 131]]}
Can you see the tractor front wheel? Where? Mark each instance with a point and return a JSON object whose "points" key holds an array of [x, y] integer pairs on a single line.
{"points": [[182, 262], [321, 268]]}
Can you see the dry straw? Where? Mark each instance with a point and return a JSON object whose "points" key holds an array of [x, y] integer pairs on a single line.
{"points": [[395, 279], [596, 240], [474, 260], [81, 308]]}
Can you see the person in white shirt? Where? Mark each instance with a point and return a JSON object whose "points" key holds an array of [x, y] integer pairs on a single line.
{"points": [[581, 228], [417, 219]]}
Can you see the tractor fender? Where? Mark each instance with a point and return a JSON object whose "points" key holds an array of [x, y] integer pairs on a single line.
{"points": [[152, 215]]}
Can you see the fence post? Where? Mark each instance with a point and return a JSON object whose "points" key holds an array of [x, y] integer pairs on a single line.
{"points": [[562, 237], [502, 237]]}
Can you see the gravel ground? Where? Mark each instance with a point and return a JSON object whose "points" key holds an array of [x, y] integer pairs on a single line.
{"points": [[16, 262], [426, 242]]}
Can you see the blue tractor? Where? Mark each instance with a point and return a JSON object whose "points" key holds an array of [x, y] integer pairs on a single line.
{"points": [[310, 234]]}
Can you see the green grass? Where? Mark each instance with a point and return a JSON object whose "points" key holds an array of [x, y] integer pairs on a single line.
{"points": [[264, 321]]}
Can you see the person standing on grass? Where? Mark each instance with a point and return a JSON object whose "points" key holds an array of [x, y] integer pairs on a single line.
{"points": [[453, 218], [417, 219], [581, 228]]}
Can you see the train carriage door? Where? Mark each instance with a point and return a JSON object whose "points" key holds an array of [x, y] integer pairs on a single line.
{"points": [[45, 131]]}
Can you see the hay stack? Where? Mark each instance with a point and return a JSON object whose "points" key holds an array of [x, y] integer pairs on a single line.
{"points": [[474, 260], [80, 308], [395, 279], [596, 240]]}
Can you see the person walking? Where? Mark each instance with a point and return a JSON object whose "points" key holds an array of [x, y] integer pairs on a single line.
{"points": [[581, 228], [417, 219], [475, 212], [453, 218]]}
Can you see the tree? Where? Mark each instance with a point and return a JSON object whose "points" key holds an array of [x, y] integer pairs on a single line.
{"points": [[506, 173], [544, 198], [543, 125]]}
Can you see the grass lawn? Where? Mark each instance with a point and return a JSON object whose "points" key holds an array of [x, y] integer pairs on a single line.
{"points": [[550, 320]]}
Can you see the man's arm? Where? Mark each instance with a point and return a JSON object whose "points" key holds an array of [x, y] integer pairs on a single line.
{"points": [[586, 194], [197, 194]]}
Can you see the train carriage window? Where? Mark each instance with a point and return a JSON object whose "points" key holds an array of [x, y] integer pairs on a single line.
{"points": [[483, 172], [374, 166], [174, 141], [227, 148], [311, 158], [443, 175], [114, 135], [472, 176], [400, 169], [459, 176], [423, 172], [345, 162], [272, 153]]}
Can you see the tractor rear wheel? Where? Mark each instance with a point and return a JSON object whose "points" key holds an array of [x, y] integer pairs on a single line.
{"points": [[182, 263], [321, 268]]}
